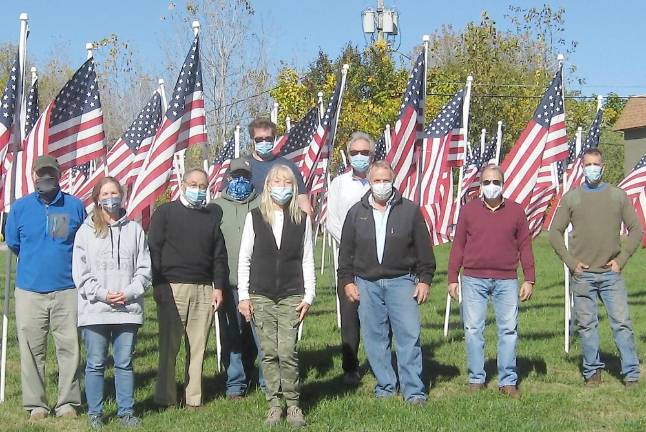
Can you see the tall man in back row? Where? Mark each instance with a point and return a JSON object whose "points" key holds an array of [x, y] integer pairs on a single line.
{"points": [[595, 258], [263, 133]]}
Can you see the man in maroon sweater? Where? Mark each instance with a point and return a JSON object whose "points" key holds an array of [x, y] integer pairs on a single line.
{"points": [[491, 237]]}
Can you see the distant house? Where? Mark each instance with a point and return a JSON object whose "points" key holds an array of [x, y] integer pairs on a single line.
{"points": [[632, 122]]}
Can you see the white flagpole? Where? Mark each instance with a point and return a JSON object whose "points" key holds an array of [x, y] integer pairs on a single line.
{"points": [[274, 113], [465, 121], [483, 140], [20, 128], [426, 39], [498, 142], [323, 249], [387, 138], [236, 140], [288, 123], [320, 103]]}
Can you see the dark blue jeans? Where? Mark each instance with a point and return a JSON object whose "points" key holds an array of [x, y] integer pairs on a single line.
{"points": [[97, 338], [610, 287], [239, 347]]}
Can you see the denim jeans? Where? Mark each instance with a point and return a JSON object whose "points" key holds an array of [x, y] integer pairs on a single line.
{"points": [[475, 295], [96, 339], [239, 346], [384, 302], [610, 287]]}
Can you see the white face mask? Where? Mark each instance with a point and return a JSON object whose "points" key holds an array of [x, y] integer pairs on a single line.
{"points": [[382, 191], [491, 191]]}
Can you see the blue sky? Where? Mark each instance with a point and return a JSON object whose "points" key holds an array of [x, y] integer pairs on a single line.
{"points": [[610, 35]]}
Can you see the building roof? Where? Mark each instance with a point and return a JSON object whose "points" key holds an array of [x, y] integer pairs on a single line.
{"points": [[633, 115]]}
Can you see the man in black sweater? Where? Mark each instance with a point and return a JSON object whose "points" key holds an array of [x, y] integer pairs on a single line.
{"points": [[386, 264], [189, 265]]}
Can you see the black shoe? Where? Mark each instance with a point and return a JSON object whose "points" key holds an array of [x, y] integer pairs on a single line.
{"points": [[352, 378]]}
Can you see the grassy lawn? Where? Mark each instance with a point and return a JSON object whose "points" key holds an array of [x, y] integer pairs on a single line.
{"points": [[553, 395]]}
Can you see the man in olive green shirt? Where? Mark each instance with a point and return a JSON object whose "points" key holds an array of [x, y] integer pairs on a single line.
{"points": [[595, 258]]}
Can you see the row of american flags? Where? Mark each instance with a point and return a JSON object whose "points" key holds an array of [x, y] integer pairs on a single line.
{"points": [[540, 167]]}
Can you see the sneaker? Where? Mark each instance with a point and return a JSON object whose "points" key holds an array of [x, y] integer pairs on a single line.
{"points": [[274, 416], [295, 416], [594, 380], [38, 414], [130, 420], [416, 401], [476, 387], [352, 378], [95, 422], [510, 390]]}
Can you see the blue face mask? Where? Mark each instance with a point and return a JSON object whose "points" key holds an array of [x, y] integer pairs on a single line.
{"points": [[264, 148], [195, 196], [360, 163], [239, 188], [111, 204], [592, 174], [281, 194]]}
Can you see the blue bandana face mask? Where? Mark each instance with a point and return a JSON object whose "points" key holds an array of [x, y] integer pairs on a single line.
{"points": [[239, 188]]}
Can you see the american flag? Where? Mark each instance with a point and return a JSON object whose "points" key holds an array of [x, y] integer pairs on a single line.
{"points": [[72, 179], [408, 127], [24, 183], [220, 166], [635, 185], [635, 181], [319, 146], [295, 144], [437, 181], [573, 166], [183, 126], [8, 107], [528, 169], [380, 149], [472, 167], [134, 142], [174, 185], [75, 134]]}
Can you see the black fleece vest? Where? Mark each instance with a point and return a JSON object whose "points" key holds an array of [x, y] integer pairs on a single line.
{"points": [[277, 273]]}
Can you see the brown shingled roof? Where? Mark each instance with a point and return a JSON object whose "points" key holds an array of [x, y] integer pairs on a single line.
{"points": [[633, 115]]}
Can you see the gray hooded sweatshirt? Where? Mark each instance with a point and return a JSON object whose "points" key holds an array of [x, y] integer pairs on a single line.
{"points": [[119, 262]]}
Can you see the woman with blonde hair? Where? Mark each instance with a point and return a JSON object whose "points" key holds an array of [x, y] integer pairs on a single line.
{"points": [[111, 269], [276, 287]]}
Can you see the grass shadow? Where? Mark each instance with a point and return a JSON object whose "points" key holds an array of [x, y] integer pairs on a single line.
{"points": [[524, 366]]}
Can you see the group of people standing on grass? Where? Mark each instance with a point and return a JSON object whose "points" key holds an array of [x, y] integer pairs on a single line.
{"points": [[249, 256]]}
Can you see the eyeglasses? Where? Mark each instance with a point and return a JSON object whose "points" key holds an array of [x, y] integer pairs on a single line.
{"points": [[361, 152], [488, 182], [261, 139]]}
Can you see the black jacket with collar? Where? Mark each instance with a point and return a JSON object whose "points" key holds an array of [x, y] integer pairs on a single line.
{"points": [[407, 249]]}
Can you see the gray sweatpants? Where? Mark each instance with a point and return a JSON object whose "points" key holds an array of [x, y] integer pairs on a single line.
{"points": [[36, 315]]}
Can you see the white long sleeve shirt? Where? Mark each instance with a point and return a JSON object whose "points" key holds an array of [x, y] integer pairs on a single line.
{"points": [[246, 249], [345, 191]]}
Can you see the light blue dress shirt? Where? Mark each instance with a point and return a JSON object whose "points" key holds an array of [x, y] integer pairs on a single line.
{"points": [[381, 224]]}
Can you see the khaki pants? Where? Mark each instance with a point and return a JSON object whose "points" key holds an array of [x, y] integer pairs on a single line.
{"points": [[185, 312], [277, 328], [36, 315]]}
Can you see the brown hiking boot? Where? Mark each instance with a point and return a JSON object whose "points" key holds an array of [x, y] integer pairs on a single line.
{"points": [[274, 416], [631, 384], [295, 416], [594, 380], [510, 390], [476, 387]]}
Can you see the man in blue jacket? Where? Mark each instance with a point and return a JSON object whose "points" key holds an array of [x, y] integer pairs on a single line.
{"points": [[40, 230]]}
